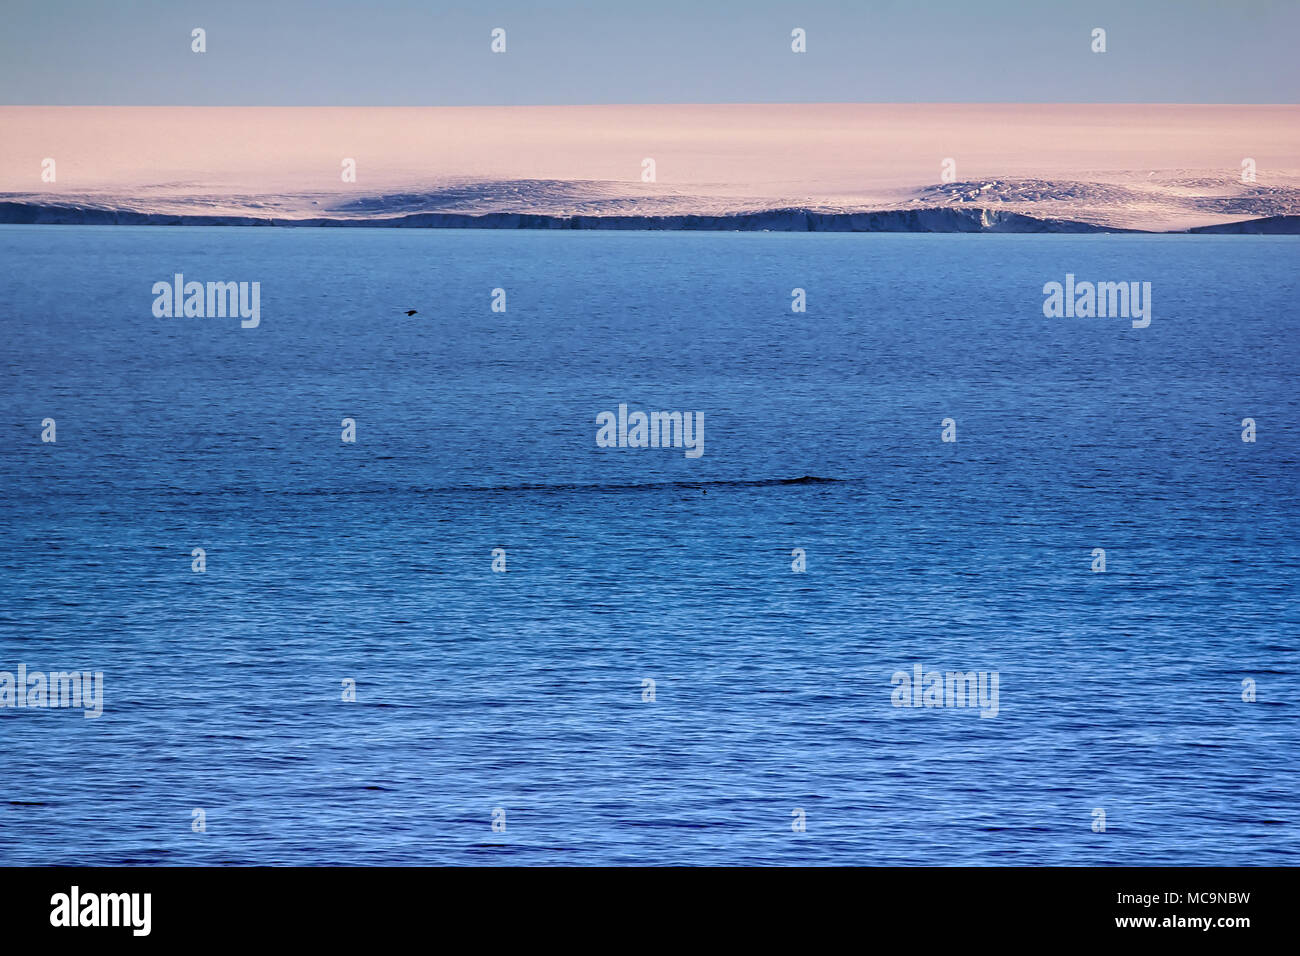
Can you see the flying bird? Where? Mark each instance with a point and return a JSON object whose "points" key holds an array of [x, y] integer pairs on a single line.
{"points": [[410, 311]]}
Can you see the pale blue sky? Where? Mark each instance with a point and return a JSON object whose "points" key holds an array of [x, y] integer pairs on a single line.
{"points": [[400, 53]]}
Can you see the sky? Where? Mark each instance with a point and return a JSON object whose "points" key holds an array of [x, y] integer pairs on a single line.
{"points": [[400, 53], [758, 149]]}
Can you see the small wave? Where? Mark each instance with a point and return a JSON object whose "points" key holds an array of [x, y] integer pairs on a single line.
{"points": [[539, 488], [651, 485]]}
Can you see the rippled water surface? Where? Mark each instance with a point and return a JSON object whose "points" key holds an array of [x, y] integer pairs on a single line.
{"points": [[371, 561]]}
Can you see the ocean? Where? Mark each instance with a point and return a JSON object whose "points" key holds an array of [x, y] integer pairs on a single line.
{"points": [[649, 680]]}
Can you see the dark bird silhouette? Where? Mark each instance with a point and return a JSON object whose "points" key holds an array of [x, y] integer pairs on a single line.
{"points": [[410, 312]]}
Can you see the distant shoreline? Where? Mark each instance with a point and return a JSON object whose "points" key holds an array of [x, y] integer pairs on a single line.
{"points": [[939, 219], [801, 167]]}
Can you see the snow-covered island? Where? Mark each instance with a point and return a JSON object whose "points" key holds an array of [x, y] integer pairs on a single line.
{"points": [[785, 167]]}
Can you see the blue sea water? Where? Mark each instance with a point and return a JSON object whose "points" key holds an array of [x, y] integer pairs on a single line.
{"points": [[372, 561]]}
